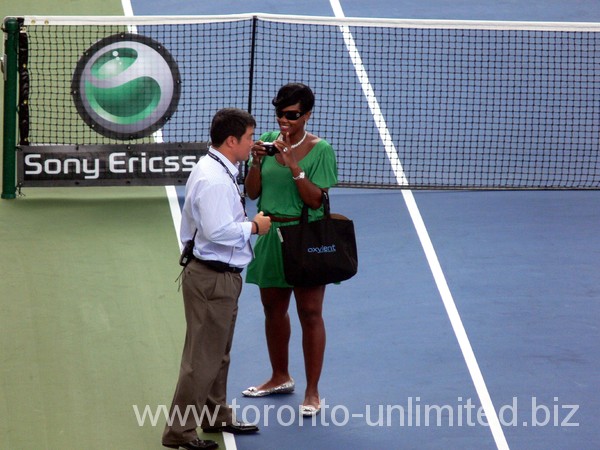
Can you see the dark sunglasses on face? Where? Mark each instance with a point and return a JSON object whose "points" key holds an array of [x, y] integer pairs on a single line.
{"points": [[289, 115]]}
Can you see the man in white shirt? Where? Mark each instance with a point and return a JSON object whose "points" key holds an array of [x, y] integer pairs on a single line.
{"points": [[214, 217]]}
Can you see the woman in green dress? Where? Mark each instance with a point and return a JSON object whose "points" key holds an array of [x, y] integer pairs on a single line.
{"points": [[293, 173]]}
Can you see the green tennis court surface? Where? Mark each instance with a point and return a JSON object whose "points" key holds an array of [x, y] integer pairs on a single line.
{"points": [[91, 318]]}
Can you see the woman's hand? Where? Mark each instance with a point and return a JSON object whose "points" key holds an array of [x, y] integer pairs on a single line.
{"points": [[253, 179], [258, 152], [285, 150]]}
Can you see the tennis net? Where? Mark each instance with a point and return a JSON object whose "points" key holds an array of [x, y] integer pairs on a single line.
{"points": [[405, 104]]}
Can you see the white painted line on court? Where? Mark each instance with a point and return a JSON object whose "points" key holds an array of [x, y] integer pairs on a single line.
{"points": [[127, 9], [175, 212], [228, 439], [432, 259]]}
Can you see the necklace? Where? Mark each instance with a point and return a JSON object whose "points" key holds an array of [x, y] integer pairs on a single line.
{"points": [[297, 144]]}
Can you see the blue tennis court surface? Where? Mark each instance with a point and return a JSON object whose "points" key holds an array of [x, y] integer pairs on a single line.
{"points": [[521, 268]]}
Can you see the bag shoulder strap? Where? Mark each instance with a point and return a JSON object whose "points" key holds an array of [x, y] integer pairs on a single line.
{"points": [[326, 204], [326, 208]]}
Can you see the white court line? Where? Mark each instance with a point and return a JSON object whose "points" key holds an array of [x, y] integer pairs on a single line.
{"points": [[127, 9], [171, 192], [434, 264], [175, 212], [228, 439]]}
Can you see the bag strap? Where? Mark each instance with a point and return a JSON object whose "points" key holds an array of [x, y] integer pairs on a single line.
{"points": [[326, 204], [326, 208]]}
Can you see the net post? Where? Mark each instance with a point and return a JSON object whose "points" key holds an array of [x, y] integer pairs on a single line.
{"points": [[9, 66]]}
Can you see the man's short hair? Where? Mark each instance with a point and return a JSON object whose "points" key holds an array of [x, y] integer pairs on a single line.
{"points": [[230, 122]]}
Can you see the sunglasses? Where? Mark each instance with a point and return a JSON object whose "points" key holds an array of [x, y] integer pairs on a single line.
{"points": [[289, 115]]}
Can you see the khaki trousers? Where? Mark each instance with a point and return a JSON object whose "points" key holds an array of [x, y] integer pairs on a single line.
{"points": [[211, 303]]}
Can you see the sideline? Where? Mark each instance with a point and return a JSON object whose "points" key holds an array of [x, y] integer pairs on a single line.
{"points": [[228, 439], [175, 212], [432, 259]]}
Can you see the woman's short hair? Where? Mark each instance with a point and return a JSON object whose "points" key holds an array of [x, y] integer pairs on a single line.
{"points": [[293, 93]]}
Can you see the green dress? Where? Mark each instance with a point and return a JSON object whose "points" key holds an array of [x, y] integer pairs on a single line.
{"points": [[279, 197]]}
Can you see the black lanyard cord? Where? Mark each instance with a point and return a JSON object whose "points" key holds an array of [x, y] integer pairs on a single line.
{"points": [[242, 198]]}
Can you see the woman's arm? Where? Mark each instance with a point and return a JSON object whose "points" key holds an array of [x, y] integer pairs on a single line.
{"points": [[310, 193], [253, 180]]}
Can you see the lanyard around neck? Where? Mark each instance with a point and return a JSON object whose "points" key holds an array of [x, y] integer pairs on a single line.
{"points": [[242, 198]]}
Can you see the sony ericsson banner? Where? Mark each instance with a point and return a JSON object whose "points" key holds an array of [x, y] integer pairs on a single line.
{"points": [[107, 165], [126, 86]]}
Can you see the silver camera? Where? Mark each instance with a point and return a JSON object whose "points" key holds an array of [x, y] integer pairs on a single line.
{"points": [[270, 148]]}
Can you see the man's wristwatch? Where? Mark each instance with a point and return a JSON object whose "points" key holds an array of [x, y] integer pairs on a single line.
{"points": [[300, 176]]}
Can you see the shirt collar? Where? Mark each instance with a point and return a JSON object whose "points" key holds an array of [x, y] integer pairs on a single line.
{"points": [[233, 169]]}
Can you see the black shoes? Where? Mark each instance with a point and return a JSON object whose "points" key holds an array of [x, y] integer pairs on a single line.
{"points": [[199, 444], [196, 444], [234, 428]]}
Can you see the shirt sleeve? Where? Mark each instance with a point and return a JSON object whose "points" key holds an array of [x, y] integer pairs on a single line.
{"points": [[323, 172]]}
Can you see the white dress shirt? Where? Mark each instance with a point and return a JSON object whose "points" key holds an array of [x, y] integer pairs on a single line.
{"points": [[213, 205]]}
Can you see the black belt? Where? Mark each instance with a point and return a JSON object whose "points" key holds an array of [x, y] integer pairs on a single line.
{"points": [[283, 219], [219, 266]]}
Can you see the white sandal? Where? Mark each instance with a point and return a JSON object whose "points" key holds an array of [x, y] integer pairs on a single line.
{"points": [[285, 388], [310, 410]]}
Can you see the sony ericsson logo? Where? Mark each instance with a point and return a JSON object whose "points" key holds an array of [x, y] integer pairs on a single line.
{"points": [[322, 249], [126, 86]]}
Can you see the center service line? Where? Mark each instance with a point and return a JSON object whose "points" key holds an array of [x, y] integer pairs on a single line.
{"points": [[432, 259]]}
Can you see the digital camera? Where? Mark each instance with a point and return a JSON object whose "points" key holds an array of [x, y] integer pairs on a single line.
{"points": [[270, 148]]}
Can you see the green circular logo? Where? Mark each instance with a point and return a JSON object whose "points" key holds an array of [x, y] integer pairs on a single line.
{"points": [[126, 86]]}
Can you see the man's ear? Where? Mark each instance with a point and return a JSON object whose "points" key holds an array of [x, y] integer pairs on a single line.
{"points": [[231, 141]]}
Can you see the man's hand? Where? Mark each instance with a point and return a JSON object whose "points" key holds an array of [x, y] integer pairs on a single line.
{"points": [[263, 222]]}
